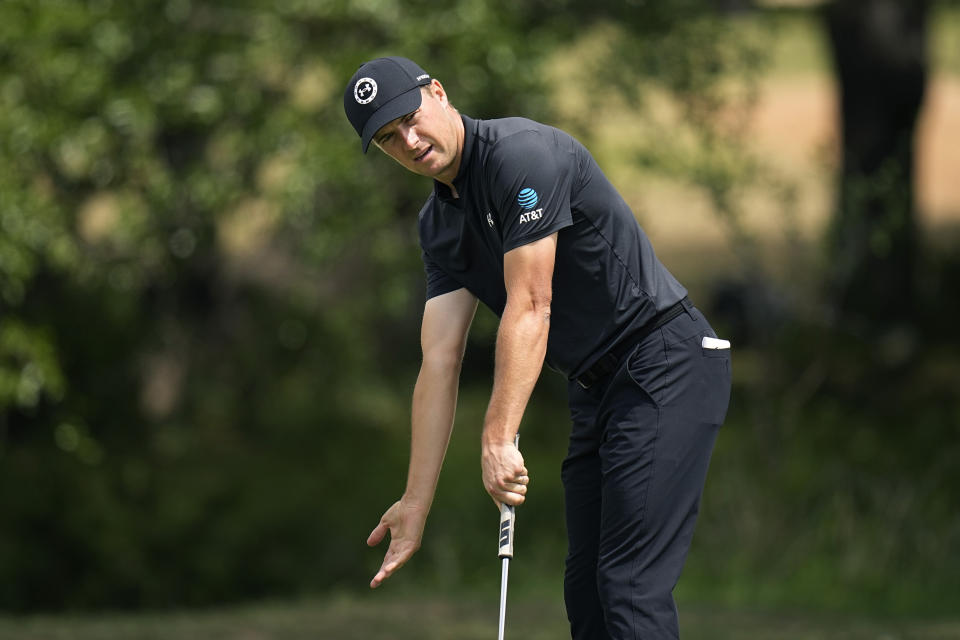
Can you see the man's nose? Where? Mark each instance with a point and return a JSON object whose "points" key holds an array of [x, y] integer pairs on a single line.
{"points": [[410, 137]]}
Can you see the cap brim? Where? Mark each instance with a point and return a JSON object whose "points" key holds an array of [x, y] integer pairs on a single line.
{"points": [[403, 104]]}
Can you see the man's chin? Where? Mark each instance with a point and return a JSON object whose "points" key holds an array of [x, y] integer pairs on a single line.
{"points": [[430, 170]]}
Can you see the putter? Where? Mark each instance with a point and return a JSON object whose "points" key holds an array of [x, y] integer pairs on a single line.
{"points": [[508, 519]]}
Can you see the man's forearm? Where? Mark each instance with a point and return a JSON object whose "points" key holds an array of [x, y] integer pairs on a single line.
{"points": [[521, 347], [434, 405]]}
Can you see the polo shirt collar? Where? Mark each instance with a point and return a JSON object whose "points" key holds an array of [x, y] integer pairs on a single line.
{"points": [[442, 191]]}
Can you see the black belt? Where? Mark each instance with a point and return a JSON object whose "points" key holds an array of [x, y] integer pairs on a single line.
{"points": [[607, 363]]}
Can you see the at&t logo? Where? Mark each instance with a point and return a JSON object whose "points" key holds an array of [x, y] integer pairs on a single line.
{"points": [[527, 198]]}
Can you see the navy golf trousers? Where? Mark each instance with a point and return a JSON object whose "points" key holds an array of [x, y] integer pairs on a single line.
{"points": [[639, 450]]}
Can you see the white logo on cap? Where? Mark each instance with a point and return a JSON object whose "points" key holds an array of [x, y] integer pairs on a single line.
{"points": [[365, 90]]}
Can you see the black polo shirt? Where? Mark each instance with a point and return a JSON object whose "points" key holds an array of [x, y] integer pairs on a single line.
{"points": [[520, 181]]}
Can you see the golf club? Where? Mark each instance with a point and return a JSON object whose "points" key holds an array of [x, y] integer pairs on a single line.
{"points": [[507, 521]]}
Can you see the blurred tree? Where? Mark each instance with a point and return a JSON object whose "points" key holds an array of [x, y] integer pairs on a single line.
{"points": [[208, 316], [880, 54]]}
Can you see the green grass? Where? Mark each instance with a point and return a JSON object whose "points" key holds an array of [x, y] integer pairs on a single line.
{"points": [[380, 615]]}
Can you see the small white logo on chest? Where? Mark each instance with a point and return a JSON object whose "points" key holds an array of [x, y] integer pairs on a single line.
{"points": [[490, 219]]}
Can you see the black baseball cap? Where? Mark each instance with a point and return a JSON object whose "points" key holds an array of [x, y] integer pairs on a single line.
{"points": [[380, 91]]}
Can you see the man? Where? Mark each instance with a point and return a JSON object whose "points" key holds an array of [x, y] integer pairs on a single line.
{"points": [[522, 218]]}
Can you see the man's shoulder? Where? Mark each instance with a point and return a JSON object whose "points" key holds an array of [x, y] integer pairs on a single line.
{"points": [[516, 138], [510, 125], [504, 132], [498, 128], [517, 144]]}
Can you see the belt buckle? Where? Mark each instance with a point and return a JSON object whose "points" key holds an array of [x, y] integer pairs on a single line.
{"points": [[604, 365]]}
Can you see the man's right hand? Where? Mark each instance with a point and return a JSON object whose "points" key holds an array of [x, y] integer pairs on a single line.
{"points": [[504, 473], [405, 523]]}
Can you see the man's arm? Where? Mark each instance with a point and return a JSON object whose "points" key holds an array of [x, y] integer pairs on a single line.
{"points": [[443, 335], [521, 348]]}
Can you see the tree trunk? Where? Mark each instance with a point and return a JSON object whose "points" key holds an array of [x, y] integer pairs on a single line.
{"points": [[879, 50]]}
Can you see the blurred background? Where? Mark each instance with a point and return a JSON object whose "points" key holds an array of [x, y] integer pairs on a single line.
{"points": [[210, 301]]}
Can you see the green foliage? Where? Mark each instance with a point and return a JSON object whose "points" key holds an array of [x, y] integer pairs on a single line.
{"points": [[209, 298], [209, 313], [30, 368], [200, 288]]}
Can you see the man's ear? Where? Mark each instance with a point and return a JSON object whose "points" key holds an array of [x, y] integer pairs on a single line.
{"points": [[437, 91]]}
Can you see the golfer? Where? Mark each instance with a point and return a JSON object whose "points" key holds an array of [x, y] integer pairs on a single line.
{"points": [[522, 219]]}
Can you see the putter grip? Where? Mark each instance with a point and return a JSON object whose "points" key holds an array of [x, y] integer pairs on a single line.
{"points": [[507, 520]]}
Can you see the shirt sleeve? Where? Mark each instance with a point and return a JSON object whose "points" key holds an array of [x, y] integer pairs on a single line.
{"points": [[438, 282], [529, 178]]}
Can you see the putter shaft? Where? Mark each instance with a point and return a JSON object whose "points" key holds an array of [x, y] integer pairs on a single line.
{"points": [[503, 596], [505, 552]]}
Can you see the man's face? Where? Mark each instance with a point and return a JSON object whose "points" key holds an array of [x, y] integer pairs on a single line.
{"points": [[427, 141]]}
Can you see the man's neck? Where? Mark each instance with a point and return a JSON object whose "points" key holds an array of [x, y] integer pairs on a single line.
{"points": [[450, 175]]}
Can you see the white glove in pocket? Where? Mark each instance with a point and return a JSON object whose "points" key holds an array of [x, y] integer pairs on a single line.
{"points": [[714, 343]]}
